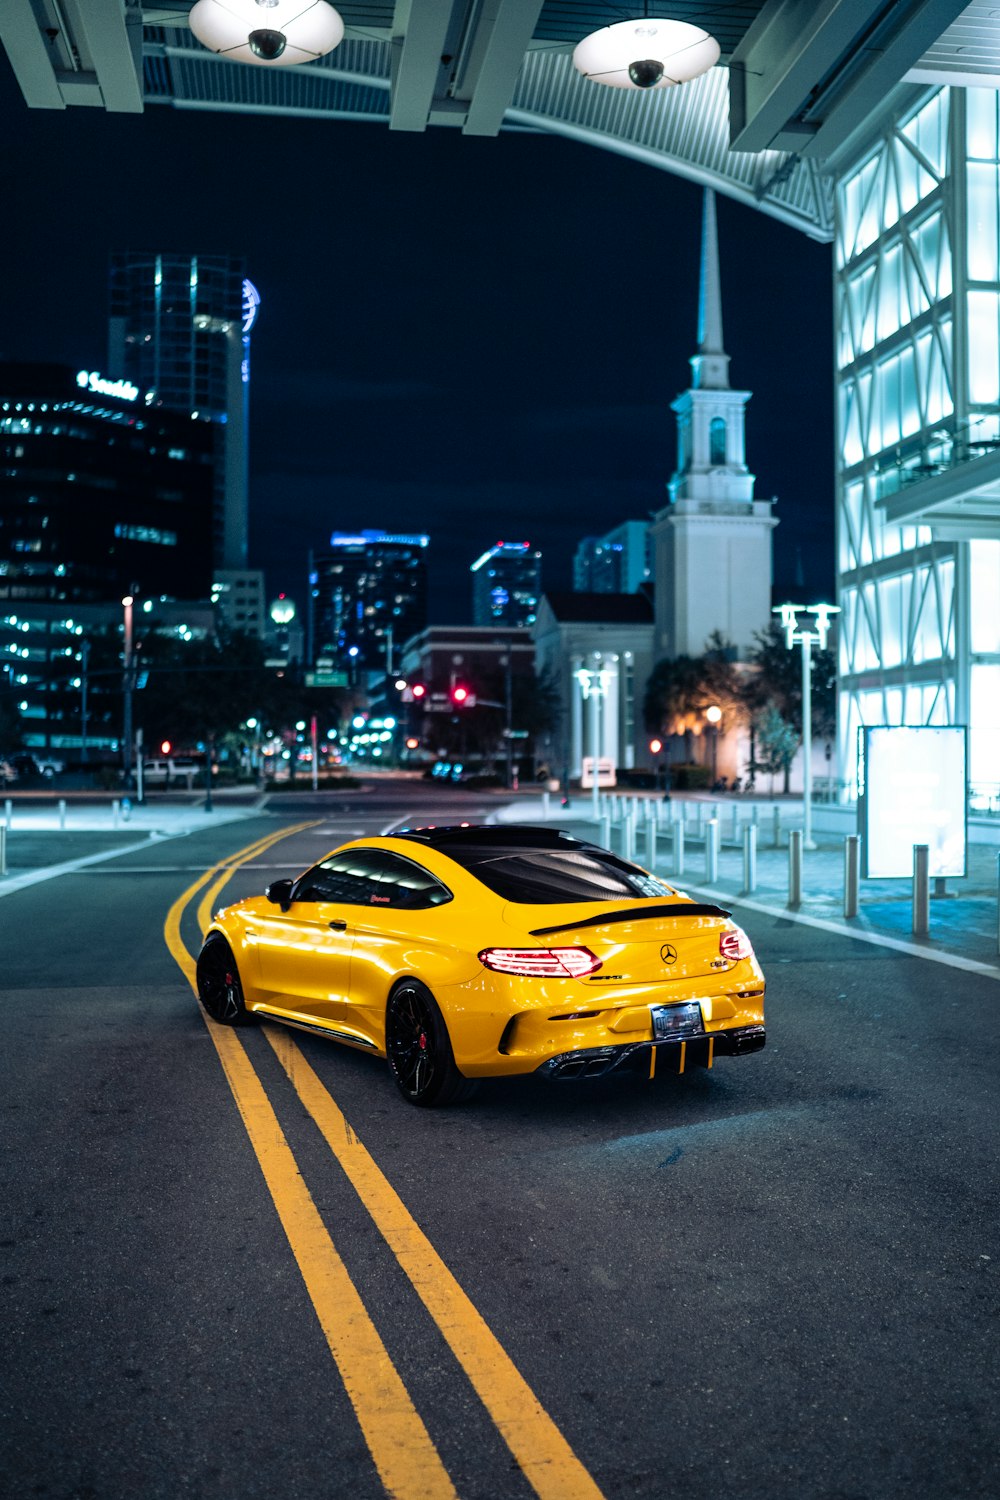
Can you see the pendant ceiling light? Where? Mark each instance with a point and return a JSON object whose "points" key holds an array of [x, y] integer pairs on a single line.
{"points": [[650, 53], [276, 33]]}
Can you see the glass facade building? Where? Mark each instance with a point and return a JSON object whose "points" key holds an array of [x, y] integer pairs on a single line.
{"points": [[179, 328], [367, 596], [99, 494], [507, 585], [917, 288], [617, 563]]}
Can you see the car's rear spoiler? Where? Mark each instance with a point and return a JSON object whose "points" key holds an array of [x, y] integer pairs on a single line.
{"points": [[636, 914]]}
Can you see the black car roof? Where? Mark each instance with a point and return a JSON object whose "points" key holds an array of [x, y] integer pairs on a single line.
{"points": [[491, 835]]}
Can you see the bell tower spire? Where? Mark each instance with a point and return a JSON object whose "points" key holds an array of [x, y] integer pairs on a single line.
{"points": [[710, 366], [712, 542]]}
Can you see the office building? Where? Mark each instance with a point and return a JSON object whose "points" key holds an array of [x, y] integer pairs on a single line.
{"points": [[238, 597], [101, 494], [917, 294], [506, 585], [367, 596], [179, 329], [616, 563]]}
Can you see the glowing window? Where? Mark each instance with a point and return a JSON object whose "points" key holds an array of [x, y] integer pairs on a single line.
{"points": [[984, 347], [983, 189], [984, 597]]}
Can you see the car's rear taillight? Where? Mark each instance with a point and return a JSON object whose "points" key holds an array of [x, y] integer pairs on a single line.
{"points": [[734, 943], [560, 963]]}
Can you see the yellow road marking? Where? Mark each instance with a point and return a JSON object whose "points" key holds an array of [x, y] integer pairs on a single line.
{"points": [[548, 1462], [404, 1455]]}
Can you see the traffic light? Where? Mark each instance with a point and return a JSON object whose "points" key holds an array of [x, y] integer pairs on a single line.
{"points": [[419, 690], [462, 696]]}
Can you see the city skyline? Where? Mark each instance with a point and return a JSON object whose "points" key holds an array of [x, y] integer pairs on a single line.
{"points": [[485, 345]]}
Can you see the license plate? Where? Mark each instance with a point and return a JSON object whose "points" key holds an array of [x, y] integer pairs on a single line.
{"points": [[676, 1020]]}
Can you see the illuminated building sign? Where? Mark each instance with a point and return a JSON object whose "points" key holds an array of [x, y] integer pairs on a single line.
{"points": [[912, 790], [251, 304], [90, 380]]}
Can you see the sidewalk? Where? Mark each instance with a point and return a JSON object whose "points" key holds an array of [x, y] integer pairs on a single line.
{"points": [[42, 839], [963, 923]]}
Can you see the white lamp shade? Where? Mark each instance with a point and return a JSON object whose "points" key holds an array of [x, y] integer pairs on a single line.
{"points": [[682, 51], [309, 30]]}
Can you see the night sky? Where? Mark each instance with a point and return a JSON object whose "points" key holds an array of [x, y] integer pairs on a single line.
{"points": [[479, 339]]}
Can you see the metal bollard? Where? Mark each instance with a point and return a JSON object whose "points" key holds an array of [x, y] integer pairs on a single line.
{"points": [[628, 836], [736, 824], [604, 837], [651, 838], [115, 809], [795, 867], [777, 827], [3, 848], [62, 812], [545, 806], [852, 873], [921, 890], [679, 847], [8, 812], [712, 851], [749, 859], [998, 903]]}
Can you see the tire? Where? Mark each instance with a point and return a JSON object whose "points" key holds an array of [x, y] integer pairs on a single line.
{"points": [[219, 987], [418, 1049]]}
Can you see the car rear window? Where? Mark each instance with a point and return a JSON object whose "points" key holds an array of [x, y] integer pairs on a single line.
{"points": [[549, 876]]}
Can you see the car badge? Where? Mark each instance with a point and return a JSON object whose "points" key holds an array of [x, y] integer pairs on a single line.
{"points": [[668, 953]]}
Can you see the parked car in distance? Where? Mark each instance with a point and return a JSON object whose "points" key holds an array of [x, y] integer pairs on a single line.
{"points": [[170, 772], [28, 763]]}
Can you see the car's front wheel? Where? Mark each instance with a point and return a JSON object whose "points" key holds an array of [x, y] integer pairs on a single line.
{"points": [[219, 988], [419, 1049]]}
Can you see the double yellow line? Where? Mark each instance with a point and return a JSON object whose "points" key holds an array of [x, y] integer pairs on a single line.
{"points": [[401, 1447]]}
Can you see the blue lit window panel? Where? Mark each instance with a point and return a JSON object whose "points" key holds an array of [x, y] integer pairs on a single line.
{"points": [[984, 347], [984, 597], [981, 124], [983, 195], [984, 724]]}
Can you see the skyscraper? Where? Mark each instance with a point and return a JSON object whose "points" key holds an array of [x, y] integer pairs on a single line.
{"points": [[616, 563], [179, 328], [367, 595], [506, 585]]}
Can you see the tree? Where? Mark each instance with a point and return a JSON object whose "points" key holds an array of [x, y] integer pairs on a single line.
{"points": [[778, 680], [681, 688], [776, 742]]}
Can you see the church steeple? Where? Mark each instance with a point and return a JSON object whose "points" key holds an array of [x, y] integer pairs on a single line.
{"points": [[710, 366]]}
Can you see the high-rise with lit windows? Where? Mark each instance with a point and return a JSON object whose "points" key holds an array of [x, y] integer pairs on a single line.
{"points": [[918, 372], [367, 596], [179, 328], [507, 585]]}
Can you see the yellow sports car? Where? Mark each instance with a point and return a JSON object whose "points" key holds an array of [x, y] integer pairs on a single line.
{"points": [[477, 952]]}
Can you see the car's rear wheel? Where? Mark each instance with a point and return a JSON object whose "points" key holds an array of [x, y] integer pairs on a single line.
{"points": [[419, 1049], [219, 987]]}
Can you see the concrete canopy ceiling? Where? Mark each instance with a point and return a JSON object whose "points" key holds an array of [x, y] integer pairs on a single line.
{"points": [[797, 80]]}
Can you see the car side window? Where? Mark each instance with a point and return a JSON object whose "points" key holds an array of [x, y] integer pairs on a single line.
{"points": [[372, 877]]}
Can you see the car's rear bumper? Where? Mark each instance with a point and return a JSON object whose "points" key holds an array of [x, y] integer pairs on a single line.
{"points": [[673, 1055]]}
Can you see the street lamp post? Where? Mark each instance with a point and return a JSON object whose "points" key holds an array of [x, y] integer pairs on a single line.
{"points": [[807, 634], [713, 714], [594, 685], [127, 603]]}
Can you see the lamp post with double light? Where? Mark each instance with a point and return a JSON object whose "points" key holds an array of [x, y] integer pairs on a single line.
{"points": [[713, 714], [594, 683], [806, 625], [127, 684]]}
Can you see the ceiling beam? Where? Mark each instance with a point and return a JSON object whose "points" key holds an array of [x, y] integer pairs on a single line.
{"points": [[492, 61], [109, 32], [419, 41], [805, 74], [29, 53]]}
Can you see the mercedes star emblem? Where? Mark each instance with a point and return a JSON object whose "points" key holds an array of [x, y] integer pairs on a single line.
{"points": [[668, 953]]}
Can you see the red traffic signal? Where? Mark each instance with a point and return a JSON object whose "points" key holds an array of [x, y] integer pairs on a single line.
{"points": [[419, 690], [462, 697]]}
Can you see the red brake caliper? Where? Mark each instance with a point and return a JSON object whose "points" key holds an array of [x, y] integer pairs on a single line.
{"points": [[423, 1041]]}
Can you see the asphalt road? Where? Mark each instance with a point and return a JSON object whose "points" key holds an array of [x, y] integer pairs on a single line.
{"points": [[777, 1279]]}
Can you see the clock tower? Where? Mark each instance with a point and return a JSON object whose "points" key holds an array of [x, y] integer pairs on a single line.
{"points": [[712, 542]]}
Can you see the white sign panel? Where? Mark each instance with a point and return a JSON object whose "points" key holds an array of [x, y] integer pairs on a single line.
{"points": [[913, 791], [606, 775]]}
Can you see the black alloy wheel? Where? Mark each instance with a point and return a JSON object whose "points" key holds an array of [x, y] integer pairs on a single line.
{"points": [[219, 988], [419, 1050]]}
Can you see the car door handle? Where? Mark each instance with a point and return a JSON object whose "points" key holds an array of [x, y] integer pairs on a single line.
{"points": [[338, 925]]}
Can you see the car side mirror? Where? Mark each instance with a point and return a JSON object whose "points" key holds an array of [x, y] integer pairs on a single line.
{"points": [[280, 892]]}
